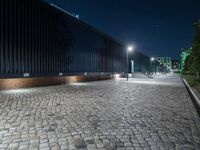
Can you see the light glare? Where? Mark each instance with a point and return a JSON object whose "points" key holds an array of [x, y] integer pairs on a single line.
{"points": [[130, 48], [116, 76], [18, 91]]}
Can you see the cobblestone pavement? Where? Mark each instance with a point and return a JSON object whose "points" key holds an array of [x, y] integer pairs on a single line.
{"points": [[114, 114]]}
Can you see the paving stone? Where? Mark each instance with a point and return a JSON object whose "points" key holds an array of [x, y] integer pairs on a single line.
{"points": [[91, 146], [13, 146], [71, 146], [100, 145], [115, 114], [3, 146]]}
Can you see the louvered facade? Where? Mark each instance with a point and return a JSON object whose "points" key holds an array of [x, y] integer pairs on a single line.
{"points": [[37, 39]]}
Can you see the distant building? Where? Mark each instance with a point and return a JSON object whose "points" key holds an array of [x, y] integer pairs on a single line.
{"points": [[175, 65], [164, 64]]}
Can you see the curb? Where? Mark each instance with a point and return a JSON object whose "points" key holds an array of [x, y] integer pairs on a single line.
{"points": [[193, 96]]}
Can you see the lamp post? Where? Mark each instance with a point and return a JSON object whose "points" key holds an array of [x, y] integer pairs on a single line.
{"points": [[152, 60], [129, 49]]}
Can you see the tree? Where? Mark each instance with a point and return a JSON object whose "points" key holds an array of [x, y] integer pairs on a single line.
{"points": [[195, 54], [185, 61]]}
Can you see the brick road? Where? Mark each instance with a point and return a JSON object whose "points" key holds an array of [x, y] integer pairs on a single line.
{"points": [[114, 114]]}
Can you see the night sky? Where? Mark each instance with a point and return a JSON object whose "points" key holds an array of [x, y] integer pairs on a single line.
{"points": [[155, 27]]}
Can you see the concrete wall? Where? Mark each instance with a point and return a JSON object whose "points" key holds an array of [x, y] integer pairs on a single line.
{"points": [[6, 84]]}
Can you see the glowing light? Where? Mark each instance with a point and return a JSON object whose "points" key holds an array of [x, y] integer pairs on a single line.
{"points": [[152, 58], [26, 74], [116, 76], [152, 82], [79, 84], [72, 79], [130, 48], [130, 75], [19, 91]]}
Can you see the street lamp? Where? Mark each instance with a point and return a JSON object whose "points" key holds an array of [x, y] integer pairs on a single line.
{"points": [[152, 59], [129, 49]]}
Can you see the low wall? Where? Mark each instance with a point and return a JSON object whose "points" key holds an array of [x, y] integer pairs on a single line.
{"points": [[15, 83]]}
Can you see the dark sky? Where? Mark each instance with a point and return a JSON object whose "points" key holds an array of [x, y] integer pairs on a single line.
{"points": [[155, 27]]}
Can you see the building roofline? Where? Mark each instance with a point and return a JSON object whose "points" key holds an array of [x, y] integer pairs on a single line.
{"points": [[64, 12], [90, 27]]}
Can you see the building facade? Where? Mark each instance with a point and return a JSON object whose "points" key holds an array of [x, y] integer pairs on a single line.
{"points": [[40, 40], [175, 65], [164, 64]]}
